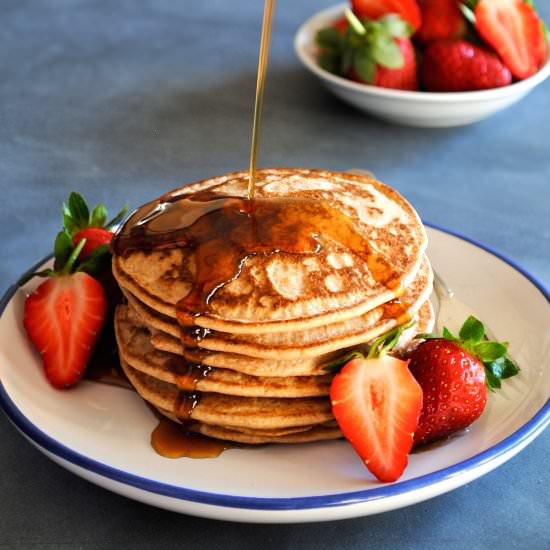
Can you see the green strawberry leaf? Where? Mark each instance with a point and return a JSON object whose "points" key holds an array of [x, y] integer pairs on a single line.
{"points": [[99, 216], [491, 381], [329, 39], [337, 364], [472, 330], [97, 261], [25, 278], [395, 26], [347, 60], [62, 248], [68, 223], [365, 65], [330, 61], [387, 53], [502, 368], [447, 334], [490, 351], [78, 210]]}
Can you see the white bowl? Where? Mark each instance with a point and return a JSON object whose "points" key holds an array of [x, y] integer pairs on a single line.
{"points": [[427, 109]]}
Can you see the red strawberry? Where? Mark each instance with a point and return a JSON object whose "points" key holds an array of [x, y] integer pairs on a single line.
{"points": [[454, 373], [454, 388], [377, 402], [79, 223], [441, 19], [374, 9], [373, 52], [457, 66], [514, 30], [341, 25], [94, 236], [402, 78], [63, 318]]}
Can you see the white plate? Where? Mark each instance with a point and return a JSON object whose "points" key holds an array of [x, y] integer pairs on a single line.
{"points": [[102, 433], [428, 109]]}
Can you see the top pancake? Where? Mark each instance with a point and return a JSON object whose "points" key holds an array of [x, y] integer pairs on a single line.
{"points": [[284, 291]]}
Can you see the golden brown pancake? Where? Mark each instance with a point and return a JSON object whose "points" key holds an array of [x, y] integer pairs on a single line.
{"points": [[255, 372], [301, 291]]}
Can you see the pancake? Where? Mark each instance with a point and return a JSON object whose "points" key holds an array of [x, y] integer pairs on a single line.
{"points": [[310, 366], [307, 343], [136, 350], [297, 290], [229, 333], [231, 411]]}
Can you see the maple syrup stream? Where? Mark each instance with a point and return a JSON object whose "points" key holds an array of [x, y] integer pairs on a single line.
{"points": [[222, 232]]}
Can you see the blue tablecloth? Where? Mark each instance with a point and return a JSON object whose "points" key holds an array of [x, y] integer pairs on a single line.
{"points": [[124, 100]]}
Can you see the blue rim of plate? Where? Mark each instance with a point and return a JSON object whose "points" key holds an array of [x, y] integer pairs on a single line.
{"points": [[528, 431]]}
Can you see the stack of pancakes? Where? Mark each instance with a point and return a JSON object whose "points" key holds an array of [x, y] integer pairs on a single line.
{"points": [[257, 373]]}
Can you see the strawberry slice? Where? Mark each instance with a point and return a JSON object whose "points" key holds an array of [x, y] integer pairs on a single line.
{"points": [[514, 30], [377, 403], [374, 9], [63, 318]]}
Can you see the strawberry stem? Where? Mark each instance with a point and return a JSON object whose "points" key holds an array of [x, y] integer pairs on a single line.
{"points": [[68, 268], [354, 22], [385, 343]]}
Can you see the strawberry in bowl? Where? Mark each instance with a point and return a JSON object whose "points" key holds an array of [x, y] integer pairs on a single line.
{"points": [[473, 58]]}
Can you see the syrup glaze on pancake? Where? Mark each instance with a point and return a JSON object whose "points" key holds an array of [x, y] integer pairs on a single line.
{"points": [[224, 231], [306, 343], [310, 288]]}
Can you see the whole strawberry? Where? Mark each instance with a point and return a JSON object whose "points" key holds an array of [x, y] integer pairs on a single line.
{"points": [[378, 52], [441, 19], [407, 10], [402, 78], [79, 223], [459, 66], [454, 374]]}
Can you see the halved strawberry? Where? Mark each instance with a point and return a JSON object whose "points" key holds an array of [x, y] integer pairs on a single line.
{"points": [[63, 318], [374, 9], [514, 30], [377, 403]]}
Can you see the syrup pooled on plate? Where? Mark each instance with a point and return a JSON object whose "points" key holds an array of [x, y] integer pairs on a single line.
{"points": [[172, 440]]}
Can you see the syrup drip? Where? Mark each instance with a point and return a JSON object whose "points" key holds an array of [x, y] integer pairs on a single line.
{"points": [[397, 309], [188, 374], [174, 441]]}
